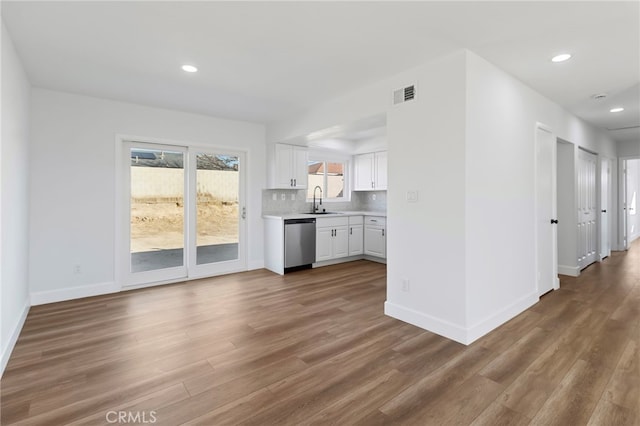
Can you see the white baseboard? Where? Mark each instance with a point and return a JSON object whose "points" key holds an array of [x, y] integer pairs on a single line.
{"points": [[255, 264], [336, 261], [572, 271], [69, 293], [13, 338], [375, 259], [427, 322], [496, 320], [455, 332]]}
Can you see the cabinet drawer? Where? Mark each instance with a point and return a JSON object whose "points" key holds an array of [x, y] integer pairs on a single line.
{"points": [[323, 222], [356, 220], [375, 220]]}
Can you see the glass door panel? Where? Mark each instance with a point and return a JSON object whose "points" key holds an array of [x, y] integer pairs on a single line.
{"points": [[218, 213], [156, 207]]}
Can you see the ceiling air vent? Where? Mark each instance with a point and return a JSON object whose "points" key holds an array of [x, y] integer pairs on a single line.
{"points": [[404, 94]]}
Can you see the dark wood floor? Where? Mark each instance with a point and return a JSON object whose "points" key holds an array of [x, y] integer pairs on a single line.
{"points": [[314, 347]]}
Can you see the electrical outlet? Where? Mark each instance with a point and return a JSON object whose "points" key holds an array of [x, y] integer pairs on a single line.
{"points": [[274, 196], [412, 196], [283, 196], [76, 269], [405, 284]]}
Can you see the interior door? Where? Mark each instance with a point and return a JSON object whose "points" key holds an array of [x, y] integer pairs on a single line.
{"points": [[605, 210], [545, 211], [623, 201], [587, 216], [632, 183]]}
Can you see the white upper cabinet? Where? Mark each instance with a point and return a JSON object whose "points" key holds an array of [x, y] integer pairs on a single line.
{"points": [[364, 169], [289, 168], [381, 170], [370, 171]]}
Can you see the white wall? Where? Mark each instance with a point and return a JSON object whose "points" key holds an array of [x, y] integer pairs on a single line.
{"points": [[73, 181], [628, 149], [466, 145], [501, 117], [14, 225], [425, 242]]}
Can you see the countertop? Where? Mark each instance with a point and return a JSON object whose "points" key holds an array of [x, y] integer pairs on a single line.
{"points": [[284, 216]]}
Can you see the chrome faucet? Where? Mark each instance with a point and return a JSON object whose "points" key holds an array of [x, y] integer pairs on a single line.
{"points": [[315, 208]]}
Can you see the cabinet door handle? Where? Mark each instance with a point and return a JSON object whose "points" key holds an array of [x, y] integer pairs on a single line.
{"points": [[383, 232], [372, 185], [350, 231], [295, 182], [290, 182]]}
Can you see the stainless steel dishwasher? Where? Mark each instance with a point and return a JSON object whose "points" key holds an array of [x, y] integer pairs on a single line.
{"points": [[299, 243]]}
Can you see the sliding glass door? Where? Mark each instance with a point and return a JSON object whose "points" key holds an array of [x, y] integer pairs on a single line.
{"points": [[184, 213], [218, 212]]}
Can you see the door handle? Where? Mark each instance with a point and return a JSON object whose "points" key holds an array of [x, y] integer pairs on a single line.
{"points": [[603, 211], [554, 221], [290, 182], [350, 231]]}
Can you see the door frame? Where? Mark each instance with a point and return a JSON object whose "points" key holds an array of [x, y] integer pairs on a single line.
{"points": [[608, 207], [121, 246], [554, 203]]}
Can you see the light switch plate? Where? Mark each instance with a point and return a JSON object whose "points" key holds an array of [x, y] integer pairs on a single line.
{"points": [[412, 196]]}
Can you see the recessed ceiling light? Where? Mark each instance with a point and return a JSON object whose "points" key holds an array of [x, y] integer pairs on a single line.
{"points": [[189, 68], [617, 109], [561, 58]]}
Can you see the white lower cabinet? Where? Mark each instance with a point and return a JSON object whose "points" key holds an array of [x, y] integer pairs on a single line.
{"points": [[375, 240], [356, 235], [332, 238]]}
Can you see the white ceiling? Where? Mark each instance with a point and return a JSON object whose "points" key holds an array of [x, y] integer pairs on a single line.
{"points": [[263, 61]]}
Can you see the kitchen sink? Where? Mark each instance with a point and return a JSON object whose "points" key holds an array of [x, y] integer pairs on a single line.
{"points": [[325, 213]]}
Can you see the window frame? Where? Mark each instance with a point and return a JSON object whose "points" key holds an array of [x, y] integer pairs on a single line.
{"points": [[330, 157]]}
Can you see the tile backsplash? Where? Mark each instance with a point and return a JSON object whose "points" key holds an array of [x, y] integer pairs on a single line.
{"points": [[295, 201]]}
